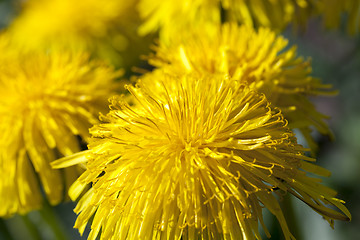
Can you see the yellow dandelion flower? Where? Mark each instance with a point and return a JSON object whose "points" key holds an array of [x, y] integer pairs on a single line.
{"points": [[47, 100], [259, 59], [107, 28], [197, 160]]}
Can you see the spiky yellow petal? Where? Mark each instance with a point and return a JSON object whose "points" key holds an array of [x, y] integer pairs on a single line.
{"points": [[198, 158], [47, 101]]}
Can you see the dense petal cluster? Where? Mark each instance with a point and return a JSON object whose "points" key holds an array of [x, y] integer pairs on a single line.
{"points": [[259, 59], [47, 102], [196, 159]]}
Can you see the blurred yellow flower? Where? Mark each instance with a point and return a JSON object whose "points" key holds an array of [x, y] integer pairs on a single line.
{"points": [[259, 59], [106, 28], [47, 101], [197, 159], [171, 17]]}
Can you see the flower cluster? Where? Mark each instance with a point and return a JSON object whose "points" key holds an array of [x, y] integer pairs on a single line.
{"points": [[197, 148]]}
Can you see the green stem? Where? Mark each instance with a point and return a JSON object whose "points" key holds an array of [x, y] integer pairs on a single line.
{"points": [[30, 226], [291, 218], [4, 230], [50, 218]]}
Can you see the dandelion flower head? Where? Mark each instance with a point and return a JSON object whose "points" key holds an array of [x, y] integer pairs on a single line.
{"points": [[197, 160], [257, 58], [47, 101]]}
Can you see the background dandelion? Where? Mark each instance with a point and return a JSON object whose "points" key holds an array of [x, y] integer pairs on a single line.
{"points": [[258, 59], [48, 99], [106, 29], [169, 17]]}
